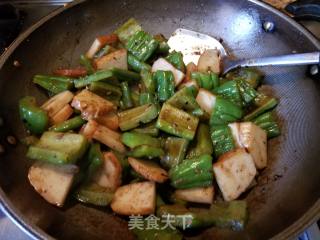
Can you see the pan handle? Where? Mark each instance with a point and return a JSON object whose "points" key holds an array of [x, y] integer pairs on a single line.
{"points": [[305, 9], [283, 60]]}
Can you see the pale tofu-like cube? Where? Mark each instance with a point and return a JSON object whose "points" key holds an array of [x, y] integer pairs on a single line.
{"points": [[109, 174], [164, 65], [91, 105], [206, 100], [134, 199], [235, 131], [210, 61], [197, 195], [148, 170], [57, 102], [52, 182], [254, 139], [117, 59], [234, 172]]}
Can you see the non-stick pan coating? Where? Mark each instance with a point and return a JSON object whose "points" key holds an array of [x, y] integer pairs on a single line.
{"points": [[287, 189]]}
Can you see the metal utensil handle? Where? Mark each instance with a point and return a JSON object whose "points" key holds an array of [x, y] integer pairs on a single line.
{"points": [[284, 60]]}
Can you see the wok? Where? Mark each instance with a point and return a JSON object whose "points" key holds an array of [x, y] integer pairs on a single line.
{"points": [[286, 199]]}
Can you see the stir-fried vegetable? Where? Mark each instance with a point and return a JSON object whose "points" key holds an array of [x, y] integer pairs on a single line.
{"points": [[139, 129]]}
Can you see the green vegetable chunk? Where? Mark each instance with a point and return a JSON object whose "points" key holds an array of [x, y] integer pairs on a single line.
{"points": [[128, 29], [142, 45], [163, 45], [146, 98], [159, 233], [68, 125], [268, 123], [185, 100], [132, 118], [95, 160], [149, 129], [177, 122], [222, 139], [230, 91], [251, 75], [126, 100], [191, 173], [132, 140], [137, 65], [248, 93], [202, 144], [95, 77], [146, 151], [35, 118], [148, 81], [266, 105], [125, 75], [232, 215], [207, 81], [53, 84], [106, 90], [165, 84], [59, 148], [224, 112], [175, 149], [94, 194], [176, 59], [86, 62]]}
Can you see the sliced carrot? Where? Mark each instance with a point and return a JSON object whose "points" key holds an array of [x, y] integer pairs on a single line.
{"points": [[72, 72]]}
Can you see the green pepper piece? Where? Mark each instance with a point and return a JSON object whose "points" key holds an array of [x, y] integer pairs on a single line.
{"points": [[202, 144], [146, 98], [35, 118], [125, 75], [224, 112], [159, 233], [207, 81], [59, 148], [222, 139], [269, 104], [148, 81], [175, 149], [142, 45], [96, 159], [86, 62], [103, 51], [230, 91], [94, 194], [132, 118], [191, 173], [137, 65], [53, 84], [176, 59], [232, 215], [165, 84], [251, 75], [248, 93], [268, 123], [146, 151], [163, 45], [126, 100], [106, 90], [95, 77], [68, 125], [128, 29], [149, 129], [177, 122], [185, 100], [132, 140]]}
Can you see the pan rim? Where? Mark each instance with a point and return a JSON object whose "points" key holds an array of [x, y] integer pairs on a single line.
{"points": [[33, 231]]}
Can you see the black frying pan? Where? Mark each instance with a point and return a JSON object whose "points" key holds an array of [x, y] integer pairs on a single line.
{"points": [[286, 199]]}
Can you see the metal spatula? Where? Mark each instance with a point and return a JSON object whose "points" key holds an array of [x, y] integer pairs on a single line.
{"points": [[193, 44]]}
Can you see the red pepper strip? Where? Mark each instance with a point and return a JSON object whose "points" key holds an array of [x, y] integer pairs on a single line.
{"points": [[108, 39], [75, 72]]}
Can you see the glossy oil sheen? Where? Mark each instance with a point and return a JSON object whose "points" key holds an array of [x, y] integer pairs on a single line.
{"points": [[286, 190]]}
